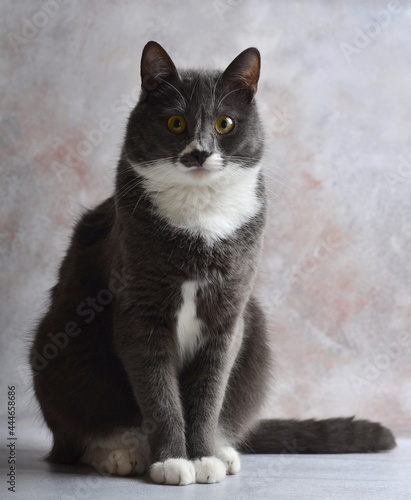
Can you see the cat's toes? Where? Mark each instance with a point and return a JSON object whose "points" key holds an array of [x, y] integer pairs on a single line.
{"points": [[231, 458], [124, 464], [173, 471], [209, 470], [139, 464], [119, 462]]}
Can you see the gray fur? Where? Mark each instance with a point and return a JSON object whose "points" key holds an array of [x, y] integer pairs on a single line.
{"points": [[123, 368]]}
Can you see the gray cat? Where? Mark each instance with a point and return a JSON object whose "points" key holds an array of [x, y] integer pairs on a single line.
{"points": [[154, 351]]}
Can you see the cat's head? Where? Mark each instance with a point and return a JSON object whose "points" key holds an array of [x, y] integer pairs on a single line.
{"points": [[193, 127]]}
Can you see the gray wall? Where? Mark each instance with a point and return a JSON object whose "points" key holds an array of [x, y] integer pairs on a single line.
{"points": [[334, 95]]}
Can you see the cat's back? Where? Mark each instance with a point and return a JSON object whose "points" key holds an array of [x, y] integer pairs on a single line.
{"points": [[81, 298], [85, 262]]}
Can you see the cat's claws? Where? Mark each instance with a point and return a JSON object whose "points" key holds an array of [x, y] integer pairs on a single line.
{"points": [[177, 471], [209, 470], [231, 459]]}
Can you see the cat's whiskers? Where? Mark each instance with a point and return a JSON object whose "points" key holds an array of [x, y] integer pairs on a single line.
{"points": [[214, 89], [134, 182], [132, 164], [279, 182], [173, 87], [194, 87], [238, 175], [146, 192], [266, 164], [241, 160], [226, 95]]}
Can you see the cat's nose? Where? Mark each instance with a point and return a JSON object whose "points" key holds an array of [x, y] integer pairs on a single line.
{"points": [[195, 159]]}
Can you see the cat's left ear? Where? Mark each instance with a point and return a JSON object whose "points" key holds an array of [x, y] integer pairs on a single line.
{"points": [[156, 65], [244, 72]]}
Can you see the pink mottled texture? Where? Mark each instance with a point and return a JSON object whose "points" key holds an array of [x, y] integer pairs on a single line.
{"points": [[336, 270]]}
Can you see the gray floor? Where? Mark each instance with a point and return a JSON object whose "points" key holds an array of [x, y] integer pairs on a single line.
{"points": [[382, 476]]}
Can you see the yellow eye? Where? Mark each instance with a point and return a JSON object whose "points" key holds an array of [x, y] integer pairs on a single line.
{"points": [[224, 125], [176, 124]]}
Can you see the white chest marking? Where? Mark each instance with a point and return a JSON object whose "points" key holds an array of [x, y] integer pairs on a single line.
{"points": [[188, 325], [212, 208]]}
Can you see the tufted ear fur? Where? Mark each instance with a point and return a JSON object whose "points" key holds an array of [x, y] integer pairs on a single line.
{"points": [[245, 69], [156, 65], [243, 73]]}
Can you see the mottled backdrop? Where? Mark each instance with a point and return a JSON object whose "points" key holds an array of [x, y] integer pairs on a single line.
{"points": [[335, 98]]}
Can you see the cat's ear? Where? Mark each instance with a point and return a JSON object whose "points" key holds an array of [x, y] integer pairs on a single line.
{"points": [[156, 65], [243, 73]]}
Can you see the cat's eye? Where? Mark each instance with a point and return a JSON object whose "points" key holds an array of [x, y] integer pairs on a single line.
{"points": [[176, 124], [224, 125]]}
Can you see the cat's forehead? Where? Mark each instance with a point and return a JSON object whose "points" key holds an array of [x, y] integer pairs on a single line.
{"points": [[200, 88], [201, 80], [199, 95], [197, 90]]}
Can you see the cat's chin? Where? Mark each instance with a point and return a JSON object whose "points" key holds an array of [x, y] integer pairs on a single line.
{"points": [[198, 171], [198, 175]]}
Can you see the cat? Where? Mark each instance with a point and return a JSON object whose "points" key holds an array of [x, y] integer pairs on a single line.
{"points": [[153, 354]]}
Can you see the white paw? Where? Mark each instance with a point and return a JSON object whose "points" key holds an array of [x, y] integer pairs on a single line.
{"points": [[209, 470], [121, 462], [231, 458], [173, 471]]}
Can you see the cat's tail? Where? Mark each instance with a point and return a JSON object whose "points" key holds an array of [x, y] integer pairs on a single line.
{"points": [[333, 435]]}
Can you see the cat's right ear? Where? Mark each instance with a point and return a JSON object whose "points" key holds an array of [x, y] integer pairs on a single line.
{"points": [[243, 73], [156, 65]]}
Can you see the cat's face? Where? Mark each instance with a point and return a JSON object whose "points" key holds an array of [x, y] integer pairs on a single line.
{"points": [[195, 127]]}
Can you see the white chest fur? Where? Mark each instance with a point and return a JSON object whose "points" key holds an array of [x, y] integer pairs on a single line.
{"points": [[188, 325], [214, 209]]}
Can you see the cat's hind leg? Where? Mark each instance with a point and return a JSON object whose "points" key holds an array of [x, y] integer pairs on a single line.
{"points": [[122, 454], [120, 462]]}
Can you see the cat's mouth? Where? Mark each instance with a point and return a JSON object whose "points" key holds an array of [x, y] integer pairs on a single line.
{"points": [[199, 171]]}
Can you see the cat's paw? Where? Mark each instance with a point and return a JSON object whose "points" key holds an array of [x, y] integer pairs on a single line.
{"points": [[231, 458], [121, 462], [209, 470], [177, 471]]}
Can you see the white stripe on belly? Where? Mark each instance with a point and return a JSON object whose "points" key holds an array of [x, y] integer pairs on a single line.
{"points": [[188, 325]]}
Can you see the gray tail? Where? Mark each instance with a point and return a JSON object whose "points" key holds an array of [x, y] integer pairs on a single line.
{"points": [[333, 435]]}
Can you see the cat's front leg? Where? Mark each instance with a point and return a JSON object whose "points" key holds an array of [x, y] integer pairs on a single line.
{"points": [[203, 397], [149, 355]]}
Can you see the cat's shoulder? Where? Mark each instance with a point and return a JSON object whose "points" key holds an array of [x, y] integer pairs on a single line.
{"points": [[94, 224]]}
